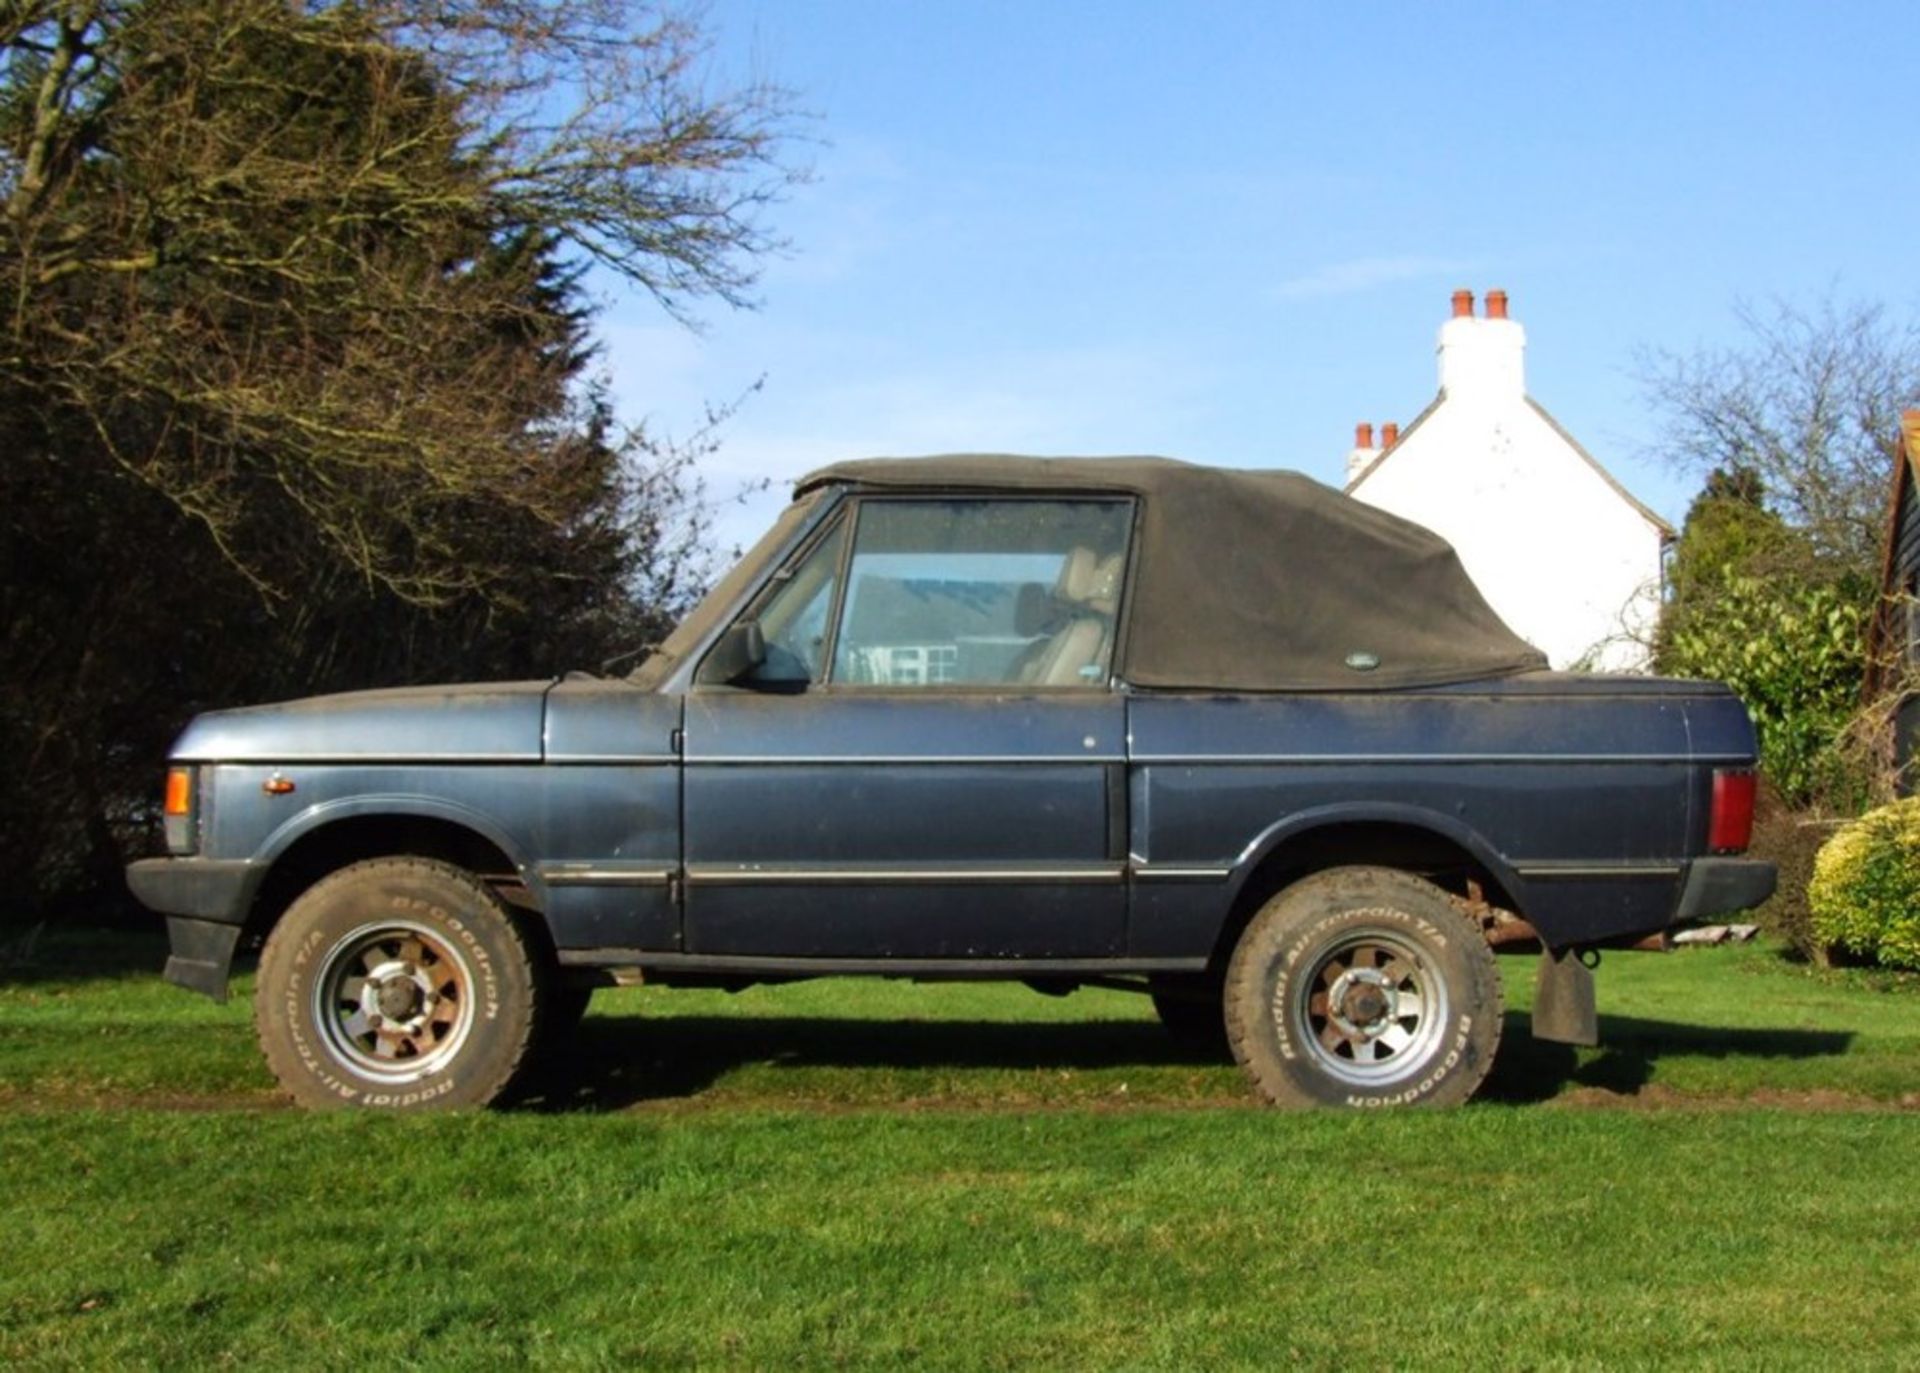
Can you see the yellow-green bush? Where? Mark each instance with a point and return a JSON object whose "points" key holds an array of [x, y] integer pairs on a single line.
{"points": [[1865, 893]]}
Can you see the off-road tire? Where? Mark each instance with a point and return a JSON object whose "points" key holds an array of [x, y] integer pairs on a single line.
{"points": [[398, 984], [1363, 987]]}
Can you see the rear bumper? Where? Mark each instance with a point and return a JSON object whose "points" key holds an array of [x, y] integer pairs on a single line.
{"points": [[1721, 886], [205, 901]]}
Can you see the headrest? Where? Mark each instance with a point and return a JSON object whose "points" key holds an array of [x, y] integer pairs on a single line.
{"points": [[1076, 575], [1103, 589], [1091, 582], [1087, 582], [1035, 610]]}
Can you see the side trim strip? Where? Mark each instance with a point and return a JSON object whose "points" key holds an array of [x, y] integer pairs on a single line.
{"points": [[371, 760], [576, 759], [719, 875], [606, 877], [1170, 873], [714, 875], [915, 759], [1549, 872], [1439, 758], [988, 968], [711, 875]]}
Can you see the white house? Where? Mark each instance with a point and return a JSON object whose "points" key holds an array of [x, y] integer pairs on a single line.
{"points": [[1564, 552]]}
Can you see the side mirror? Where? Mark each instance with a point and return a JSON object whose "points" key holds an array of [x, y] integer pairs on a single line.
{"points": [[739, 651]]}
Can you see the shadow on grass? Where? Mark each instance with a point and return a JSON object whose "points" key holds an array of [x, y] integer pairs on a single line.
{"points": [[1529, 1069], [614, 1062], [55, 953]]}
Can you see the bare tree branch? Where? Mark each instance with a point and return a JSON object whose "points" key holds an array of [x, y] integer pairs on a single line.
{"points": [[1810, 402]]}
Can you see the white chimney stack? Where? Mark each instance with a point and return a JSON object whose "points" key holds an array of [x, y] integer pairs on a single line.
{"points": [[1363, 451], [1482, 358]]}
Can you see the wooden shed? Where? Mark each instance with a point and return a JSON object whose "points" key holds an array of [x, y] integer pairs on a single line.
{"points": [[1893, 638]]}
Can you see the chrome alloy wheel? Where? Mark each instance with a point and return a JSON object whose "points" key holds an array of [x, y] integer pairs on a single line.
{"points": [[394, 1001], [1370, 1008]]}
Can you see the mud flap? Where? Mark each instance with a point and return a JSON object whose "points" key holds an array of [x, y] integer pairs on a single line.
{"points": [[1563, 1008], [202, 955]]}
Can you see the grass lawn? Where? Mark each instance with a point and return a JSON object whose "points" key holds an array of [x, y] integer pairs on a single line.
{"points": [[970, 1176]]}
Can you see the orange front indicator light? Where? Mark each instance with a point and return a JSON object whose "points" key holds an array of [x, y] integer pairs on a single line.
{"points": [[179, 815], [179, 791]]}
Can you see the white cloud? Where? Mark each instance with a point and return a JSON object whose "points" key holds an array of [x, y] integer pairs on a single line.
{"points": [[1365, 274]]}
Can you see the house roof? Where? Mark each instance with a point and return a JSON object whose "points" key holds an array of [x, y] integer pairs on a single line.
{"points": [[1666, 530], [1385, 453]]}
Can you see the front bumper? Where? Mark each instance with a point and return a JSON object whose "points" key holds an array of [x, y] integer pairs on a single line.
{"points": [[1721, 886], [205, 888], [205, 901]]}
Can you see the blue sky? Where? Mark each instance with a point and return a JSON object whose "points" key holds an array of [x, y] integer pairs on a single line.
{"points": [[1228, 231]]}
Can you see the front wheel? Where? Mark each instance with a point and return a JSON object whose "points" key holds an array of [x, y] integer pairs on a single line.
{"points": [[1363, 987], [400, 985]]}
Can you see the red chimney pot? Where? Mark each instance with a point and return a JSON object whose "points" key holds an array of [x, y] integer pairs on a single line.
{"points": [[1389, 434], [1363, 436], [1463, 305], [1496, 305]]}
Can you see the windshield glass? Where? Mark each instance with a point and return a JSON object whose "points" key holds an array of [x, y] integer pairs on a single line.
{"points": [[706, 615]]}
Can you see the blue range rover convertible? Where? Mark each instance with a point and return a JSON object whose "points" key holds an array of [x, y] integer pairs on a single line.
{"points": [[1230, 738]]}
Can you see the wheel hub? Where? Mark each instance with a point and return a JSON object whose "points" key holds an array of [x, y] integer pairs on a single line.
{"points": [[393, 1001], [1363, 1002], [1368, 1008], [397, 995]]}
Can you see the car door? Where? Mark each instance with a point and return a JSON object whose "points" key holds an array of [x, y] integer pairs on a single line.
{"points": [[929, 761]]}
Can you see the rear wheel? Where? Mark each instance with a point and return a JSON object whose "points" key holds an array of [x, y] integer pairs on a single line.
{"points": [[1363, 987], [399, 985]]}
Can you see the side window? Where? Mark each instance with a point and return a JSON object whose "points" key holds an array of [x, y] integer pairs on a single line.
{"points": [[982, 593], [793, 615]]}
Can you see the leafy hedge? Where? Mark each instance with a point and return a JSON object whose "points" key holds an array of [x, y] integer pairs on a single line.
{"points": [[1792, 650], [1865, 893]]}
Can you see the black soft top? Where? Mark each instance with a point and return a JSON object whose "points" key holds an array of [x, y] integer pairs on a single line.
{"points": [[1255, 580]]}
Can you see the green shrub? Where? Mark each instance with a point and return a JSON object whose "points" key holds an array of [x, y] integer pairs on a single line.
{"points": [[1754, 602], [1865, 893], [1790, 838], [1792, 650]]}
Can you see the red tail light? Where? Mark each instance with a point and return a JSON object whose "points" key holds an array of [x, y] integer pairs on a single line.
{"points": [[1730, 824]]}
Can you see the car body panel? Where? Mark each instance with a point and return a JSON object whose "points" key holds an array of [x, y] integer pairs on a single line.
{"points": [[482, 722], [897, 824]]}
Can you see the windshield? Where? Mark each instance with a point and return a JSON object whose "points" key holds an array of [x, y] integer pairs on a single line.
{"points": [[705, 616]]}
